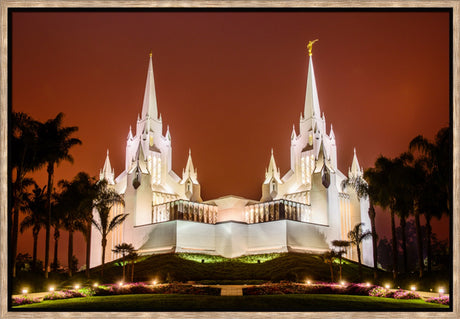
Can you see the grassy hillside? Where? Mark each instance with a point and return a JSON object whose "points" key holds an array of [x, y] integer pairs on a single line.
{"points": [[199, 268]]}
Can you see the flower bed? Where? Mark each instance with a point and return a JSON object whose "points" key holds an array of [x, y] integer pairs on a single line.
{"points": [[328, 288], [444, 300], [317, 288], [64, 294], [18, 301], [142, 288]]}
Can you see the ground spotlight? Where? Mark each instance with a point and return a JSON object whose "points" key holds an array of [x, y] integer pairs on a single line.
{"points": [[387, 286], [441, 291], [308, 282], [343, 283], [412, 288], [95, 284], [51, 289], [120, 284], [154, 282], [24, 291], [77, 286]]}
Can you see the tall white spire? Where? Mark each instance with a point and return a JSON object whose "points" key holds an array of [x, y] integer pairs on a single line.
{"points": [[272, 171], [355, 170], [149, 107], [107, 172], [190, 171], [311, 96]]}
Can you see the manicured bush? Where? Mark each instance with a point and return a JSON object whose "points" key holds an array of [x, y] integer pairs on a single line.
{"points": [[403, 294], [444, 300], [65, 294], [17, 301], [142, 288]]}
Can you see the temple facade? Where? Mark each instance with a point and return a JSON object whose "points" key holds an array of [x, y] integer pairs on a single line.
{"points": [[303, 210]]}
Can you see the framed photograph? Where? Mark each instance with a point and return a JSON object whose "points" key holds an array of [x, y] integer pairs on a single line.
{"points": [[225, 158]]}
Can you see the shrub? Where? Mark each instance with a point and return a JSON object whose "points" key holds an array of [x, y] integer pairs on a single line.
{"points": [[142, 288], [378, 292], [18, 301], [65, 294], [444, 300], [403, 294]]}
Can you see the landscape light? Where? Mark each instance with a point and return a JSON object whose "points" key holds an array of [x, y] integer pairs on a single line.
{"points": [[24, 291], [95, 284], [441, 291], [120, 283], [77, 286], [387, 286], [343, 283], [308, 282], [154, 282], [51, 288], [412, 288], [368, 284]]}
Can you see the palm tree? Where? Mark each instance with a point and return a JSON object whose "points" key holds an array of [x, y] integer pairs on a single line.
{"points": [[86, 187], [23, 160], [55, 144], [106, 198], [36, 218], [74, 219], [123, 249], [356, 236], [132, 257], [328, 258], [437, 165], [365, 187], [385, 177], [56, 221], [403, 197], [342, 248]]}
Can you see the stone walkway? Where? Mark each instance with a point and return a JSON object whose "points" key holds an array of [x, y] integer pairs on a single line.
{"points": [[230, 290]]}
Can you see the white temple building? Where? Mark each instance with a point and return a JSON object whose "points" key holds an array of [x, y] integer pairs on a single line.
{"points": [[302, 211]]}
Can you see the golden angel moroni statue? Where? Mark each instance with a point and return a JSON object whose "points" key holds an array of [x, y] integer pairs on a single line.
{"points": [[310, 46]]}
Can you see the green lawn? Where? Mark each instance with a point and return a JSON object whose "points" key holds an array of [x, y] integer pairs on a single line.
{"points": [[154, 302]]}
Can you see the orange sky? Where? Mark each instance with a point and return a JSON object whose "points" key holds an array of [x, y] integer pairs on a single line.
{"points": [[230, 85]]}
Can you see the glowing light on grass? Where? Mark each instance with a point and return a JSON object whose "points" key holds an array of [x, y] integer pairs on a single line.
{"points": [[413, 288], [51, 289], [120, 284], [154, 282], [441, 291], [387, 286], [343, 283], [24, 291], [368, 284], [308, 282], [95, 284], [77, 286]]}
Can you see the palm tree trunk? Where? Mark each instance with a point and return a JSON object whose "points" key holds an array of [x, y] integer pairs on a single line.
{"points": [[132, 271], [88, 248], [14, 239], [428, 246], [340, 274], [104, 243], [395, 248], [34, 254], [70, 252], [123, 261], [50, 170], [15, 229], [374, 236], [404, 244], [56, 240], [332, 271], [418, 231], [359, 263]]}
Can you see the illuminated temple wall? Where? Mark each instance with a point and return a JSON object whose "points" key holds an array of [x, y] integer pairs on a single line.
{"points": [[303, 210]]}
